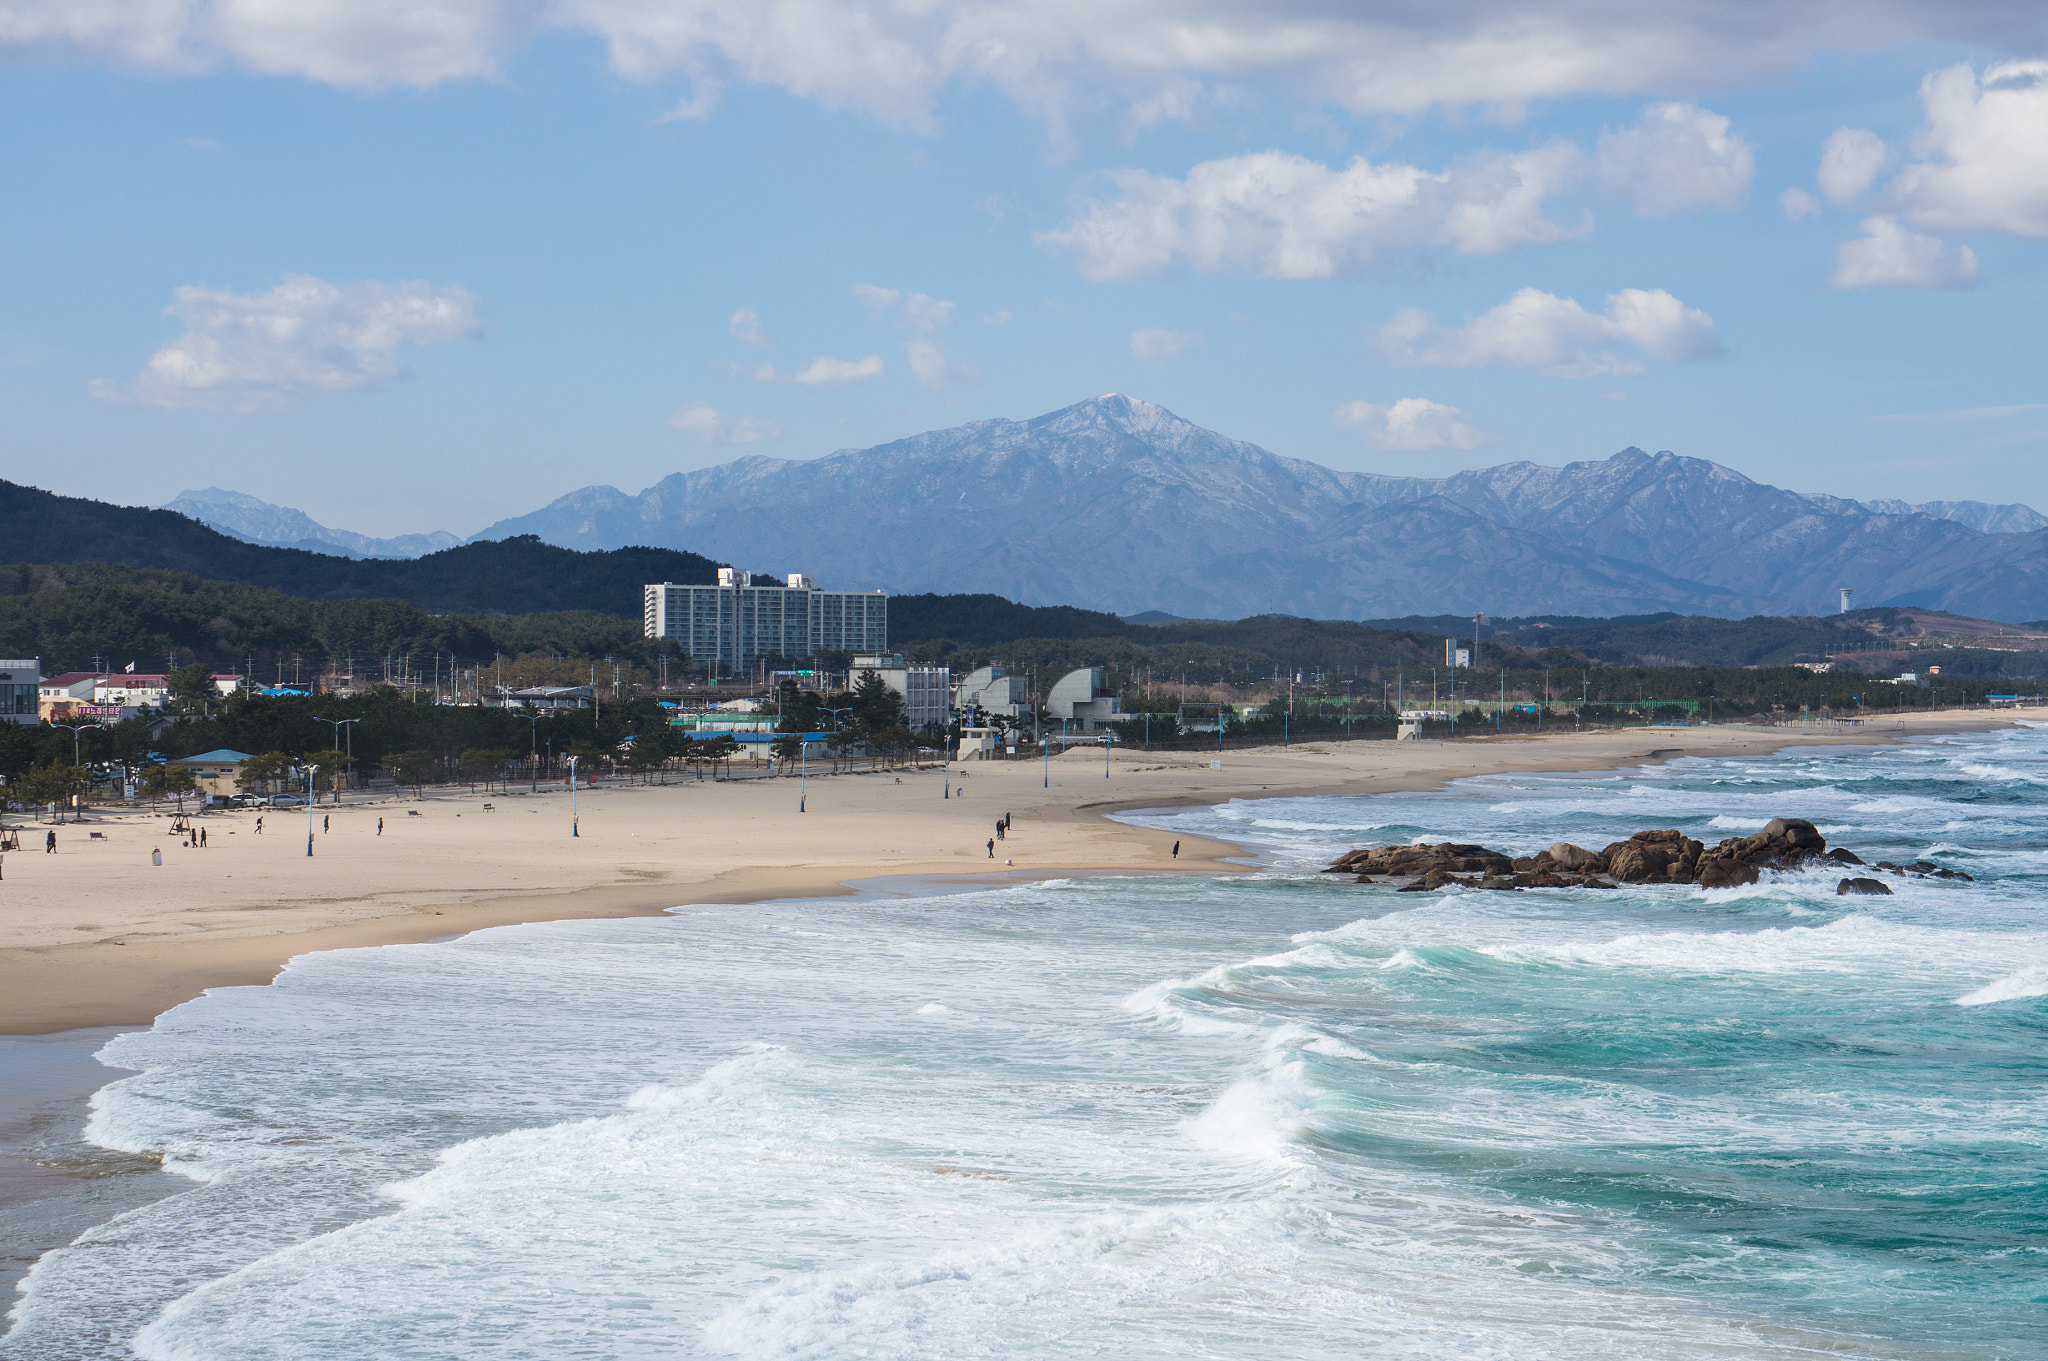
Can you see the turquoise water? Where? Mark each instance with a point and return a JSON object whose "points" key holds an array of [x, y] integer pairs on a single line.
{"points": [[1279, 1115]]}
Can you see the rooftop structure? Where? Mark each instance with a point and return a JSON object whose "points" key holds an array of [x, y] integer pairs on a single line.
{"points": [[745, 618]]}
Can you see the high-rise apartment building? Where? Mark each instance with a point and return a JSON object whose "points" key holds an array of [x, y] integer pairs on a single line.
{"points": [[745, 618]]}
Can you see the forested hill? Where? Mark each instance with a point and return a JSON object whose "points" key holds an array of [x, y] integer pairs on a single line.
{"points": [[517, 576]]}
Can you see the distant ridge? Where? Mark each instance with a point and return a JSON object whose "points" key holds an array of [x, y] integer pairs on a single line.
{"points": [[255, 521], [517, 576], [1118, 505]]}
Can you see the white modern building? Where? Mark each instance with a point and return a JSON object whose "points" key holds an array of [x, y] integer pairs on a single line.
{"points": [[1081, 698], [20, 680], [990, 692], [127, 688], [927, 690], [745, 618]]}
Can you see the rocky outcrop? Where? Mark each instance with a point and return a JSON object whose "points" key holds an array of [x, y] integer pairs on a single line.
{"points": [[1874, 888], [1923, 869], [1655, 856]]}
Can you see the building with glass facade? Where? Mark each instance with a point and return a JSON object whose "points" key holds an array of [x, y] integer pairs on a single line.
{"points": [[20, 683], [745, 618]]}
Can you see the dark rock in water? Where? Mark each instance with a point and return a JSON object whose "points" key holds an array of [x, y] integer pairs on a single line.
{"points": [[1567, 856], [1876, 888], [1665, 856], [1725, 871], [1923, 869], [1653, 856], [1798, 832]]}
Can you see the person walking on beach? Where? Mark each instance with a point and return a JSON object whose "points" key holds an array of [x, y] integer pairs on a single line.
{"points": [[380, 826], [259, 826], [202, 838], [1176, 850], [324, 819], [991, 846], [50, 845]]}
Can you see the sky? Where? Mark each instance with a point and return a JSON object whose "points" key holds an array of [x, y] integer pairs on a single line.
{"points": [[414, 267]]}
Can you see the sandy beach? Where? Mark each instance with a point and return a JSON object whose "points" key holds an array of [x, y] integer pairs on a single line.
{"points": [[98, 935]]}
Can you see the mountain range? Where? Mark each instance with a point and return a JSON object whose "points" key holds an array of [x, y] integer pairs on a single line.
{"points": [[255, 521], [1120, 505]]}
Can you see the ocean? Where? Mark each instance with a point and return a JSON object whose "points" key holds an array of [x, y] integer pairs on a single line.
{"points": [[1275, 1115]]}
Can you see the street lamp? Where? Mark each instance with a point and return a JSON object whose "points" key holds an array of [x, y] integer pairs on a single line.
{"points": [[311, 771], [338, 724], [76, 759], [532, 749], [573, 831], [76, 728]]}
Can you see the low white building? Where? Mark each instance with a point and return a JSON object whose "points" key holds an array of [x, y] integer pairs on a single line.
{"points": [[1080, 697], [129, 688], [991, 692]]}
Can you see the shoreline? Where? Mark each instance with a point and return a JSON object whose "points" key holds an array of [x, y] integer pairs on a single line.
{"points": [[656, 848], [53, 1186]]}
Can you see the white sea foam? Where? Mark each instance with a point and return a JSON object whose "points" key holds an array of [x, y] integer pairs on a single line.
{"points": [[1323, 1121], [2013, 987]]}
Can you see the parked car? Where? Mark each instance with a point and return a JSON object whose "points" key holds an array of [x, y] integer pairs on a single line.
{"points": [[284, 801]]}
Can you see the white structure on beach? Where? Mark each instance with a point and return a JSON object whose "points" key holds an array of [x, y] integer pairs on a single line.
{"points": [[1081, 698], [993, 692], [745, 618]]}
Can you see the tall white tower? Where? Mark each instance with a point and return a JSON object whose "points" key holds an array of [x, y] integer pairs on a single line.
{"points": [[1847, 595]]}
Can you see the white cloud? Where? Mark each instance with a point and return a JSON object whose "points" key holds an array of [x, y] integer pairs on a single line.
{"points": [[919, 311], [1285, 217], [1984, 150], [243, 351], [703, 423], [1001, 317], [745, 326], [1798, 205], [1556, 336], [1411, 423], [924, 316], [1849, 160], [1152, 59], [931, 367], [1676, 158], [1888, 255], [1156, 342], [824, 369]]}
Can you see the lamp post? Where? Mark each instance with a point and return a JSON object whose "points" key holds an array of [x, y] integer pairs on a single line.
{"points": [[532, 749], [311, 771], [338, 724], [573, 829], [77, 728], [76, 759]]}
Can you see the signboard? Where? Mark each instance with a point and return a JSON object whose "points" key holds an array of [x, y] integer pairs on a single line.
{"points": [[99, 710]]}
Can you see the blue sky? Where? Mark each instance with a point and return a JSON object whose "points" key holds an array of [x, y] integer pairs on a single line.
{"points": [[411, 276]]}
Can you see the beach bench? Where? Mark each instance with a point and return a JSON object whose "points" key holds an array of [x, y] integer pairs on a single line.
{"points": [[95, 836]]}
